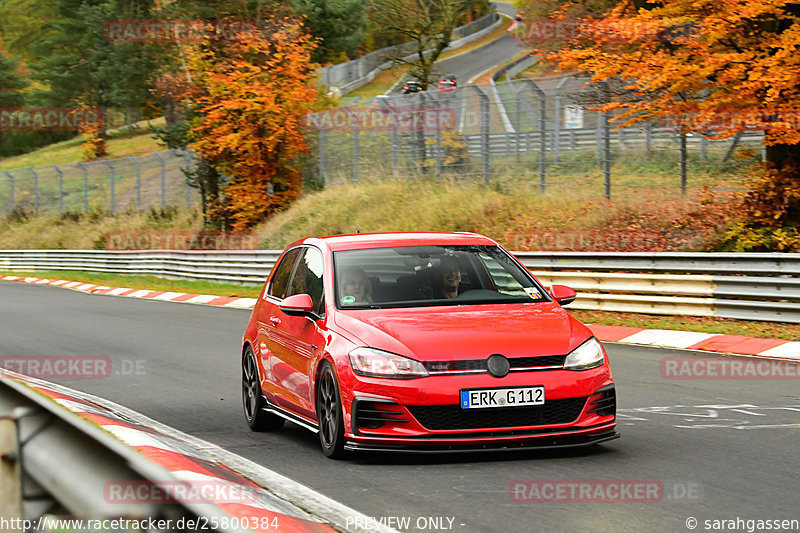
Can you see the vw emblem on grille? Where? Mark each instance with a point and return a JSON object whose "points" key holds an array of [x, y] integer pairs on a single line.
{"points": [[498, 365]]}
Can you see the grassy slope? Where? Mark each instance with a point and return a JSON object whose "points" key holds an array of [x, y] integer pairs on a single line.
{"points": [[509, 217], [120, 144], [86, 232]]}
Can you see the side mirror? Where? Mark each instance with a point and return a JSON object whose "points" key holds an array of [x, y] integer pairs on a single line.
{"points": [[563, 294], [298, 305]]}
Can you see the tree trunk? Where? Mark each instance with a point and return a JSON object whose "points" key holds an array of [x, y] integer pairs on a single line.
{"points": [[170, 111], [780, 155]]}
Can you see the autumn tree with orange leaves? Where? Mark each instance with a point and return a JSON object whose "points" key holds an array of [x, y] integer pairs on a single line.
{"points": [[252, 93], [715, 67]]}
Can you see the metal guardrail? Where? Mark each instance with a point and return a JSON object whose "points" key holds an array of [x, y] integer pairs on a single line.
{"points": [[749, 286], [64, 463], [244, 266]]}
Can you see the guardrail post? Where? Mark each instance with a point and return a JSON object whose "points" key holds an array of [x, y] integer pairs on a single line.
{"points": [[683, 164], [188, 157], [542, 132], [557, 119], [311, 119], [703, 142], [10, 469], [113, 183], [517, 120], [321, 133], [599, 138], [604, 139], [356, 152], [85, 186], [484, 131], [606, 127], [10, 191], [35, 189], [163, 179], [138, 182], [438, 146], [60, 189], [648, 136]]}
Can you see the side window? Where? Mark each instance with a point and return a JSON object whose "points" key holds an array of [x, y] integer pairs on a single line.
{"points": [[308, 278], [283, 273]]}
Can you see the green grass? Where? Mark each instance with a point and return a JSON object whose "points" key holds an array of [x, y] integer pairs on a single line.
{"points": [[121, 143], [146, 282]]}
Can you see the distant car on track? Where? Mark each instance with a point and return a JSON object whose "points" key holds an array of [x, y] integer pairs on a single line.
{"points": [[421, 342], [411, 87], [447, 83]]}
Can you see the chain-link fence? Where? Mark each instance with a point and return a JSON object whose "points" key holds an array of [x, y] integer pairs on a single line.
{"points": [[115, 185], [522, 134]]}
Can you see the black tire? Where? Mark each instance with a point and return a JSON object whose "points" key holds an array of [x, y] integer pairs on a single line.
{"points": [[329, 413], [253, 399]]}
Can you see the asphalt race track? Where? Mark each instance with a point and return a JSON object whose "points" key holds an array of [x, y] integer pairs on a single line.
{"points": [[466, 66], [720, 450]]}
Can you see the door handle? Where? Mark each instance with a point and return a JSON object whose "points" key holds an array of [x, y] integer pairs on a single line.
{"points": [[275, 320]]}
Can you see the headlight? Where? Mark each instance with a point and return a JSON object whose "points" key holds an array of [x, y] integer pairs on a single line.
{"points": [[380, 364], [587, 355]]}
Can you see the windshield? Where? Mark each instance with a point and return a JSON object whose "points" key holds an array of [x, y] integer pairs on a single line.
{"points": [[411, 276]]}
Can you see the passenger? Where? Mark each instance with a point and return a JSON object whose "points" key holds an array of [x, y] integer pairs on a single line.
{"points": [[355, 287], [447, 278]]}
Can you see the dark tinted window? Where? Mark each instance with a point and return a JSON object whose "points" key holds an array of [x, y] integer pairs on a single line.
{"points": [[283, 273], [308, 278], [432, 275]]}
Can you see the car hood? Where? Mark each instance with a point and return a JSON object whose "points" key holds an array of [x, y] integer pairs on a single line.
{"points": [[467, 332]]}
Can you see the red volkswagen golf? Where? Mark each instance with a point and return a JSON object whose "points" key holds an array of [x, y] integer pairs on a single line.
{"points": [[421, 342]]}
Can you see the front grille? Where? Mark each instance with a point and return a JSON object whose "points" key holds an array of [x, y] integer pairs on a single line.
{"points": [[480, 364], [529, 362], [449, 417], [606, 405]]}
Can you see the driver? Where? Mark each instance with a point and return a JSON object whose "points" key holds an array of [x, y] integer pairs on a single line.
{"points": [[447, 278]]}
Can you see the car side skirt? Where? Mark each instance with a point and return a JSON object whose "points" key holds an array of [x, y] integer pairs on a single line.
{"points": [[288, 415]]}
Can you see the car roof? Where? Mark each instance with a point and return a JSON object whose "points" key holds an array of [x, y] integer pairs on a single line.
{"points": [[383, 240]]}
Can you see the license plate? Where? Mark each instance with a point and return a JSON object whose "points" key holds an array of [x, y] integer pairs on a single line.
{"points": [[518, 396]]}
